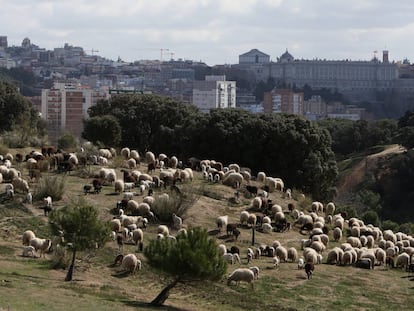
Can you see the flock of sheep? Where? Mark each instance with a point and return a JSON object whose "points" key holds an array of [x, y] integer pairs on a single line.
{"points": [[356, 243]]}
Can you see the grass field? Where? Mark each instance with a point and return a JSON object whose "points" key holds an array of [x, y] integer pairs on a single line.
{"points": [[31, 284]]}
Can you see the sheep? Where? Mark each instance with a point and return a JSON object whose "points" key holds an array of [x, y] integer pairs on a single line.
{"points": [[244, 216], [309, 268], [256, 271], [241, 275], [310, 255], [402, 260], [292, 254], [20, 185], [144, 209], [222, 249], [330, 208], [337, 234], [131, 263], [29, 251], [222, 221], [125, 152], [28, 235], [318, 246], [355, 242], [252, 219], [380, 256], [301, 263], [163, 229], [177, 221], [234, 180], [267, 228], [282, 253], [115, 225], [334, 256], [137, 236], [256, 203], [41, 244], [119, 186]]}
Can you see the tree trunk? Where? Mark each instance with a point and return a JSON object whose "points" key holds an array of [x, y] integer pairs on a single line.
{"points": [[163, 295], [71, 268]]}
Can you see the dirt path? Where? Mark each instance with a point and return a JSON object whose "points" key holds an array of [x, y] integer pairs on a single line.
{"points": [[356, 176]]}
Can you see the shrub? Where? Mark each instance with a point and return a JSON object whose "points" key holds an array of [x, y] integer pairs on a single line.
{"points": [[53, 186], [176, 203]]}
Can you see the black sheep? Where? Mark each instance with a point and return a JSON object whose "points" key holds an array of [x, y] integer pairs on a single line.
{"points": [[309, 268]]}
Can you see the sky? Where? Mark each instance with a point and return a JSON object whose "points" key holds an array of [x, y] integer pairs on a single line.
{"points": [[215, 31]]}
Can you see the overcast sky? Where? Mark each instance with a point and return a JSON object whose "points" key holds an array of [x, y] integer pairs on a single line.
{"points": [[215, 31]]}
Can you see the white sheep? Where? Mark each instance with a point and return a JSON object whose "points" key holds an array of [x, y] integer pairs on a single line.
{"points": [[131, 263], [163, 229], [244, 216], [29, 251], [221, 249], [252, 219], [28, 235], [222, 221], [282, 253], [337, 233], [301, 263], [256, 271], [267, 228], [233, 180], [241, 275], [275, 262], [41, 244], [137, 236], [119, 186], [402, 260], [330, 208], [292, 254], [261, 176], [177, 221]]}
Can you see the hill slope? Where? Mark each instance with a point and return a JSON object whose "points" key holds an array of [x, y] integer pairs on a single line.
{"points": [[99, 285]]}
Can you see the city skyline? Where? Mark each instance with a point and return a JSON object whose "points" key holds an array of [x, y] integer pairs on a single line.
{"points": [[215, 32]]}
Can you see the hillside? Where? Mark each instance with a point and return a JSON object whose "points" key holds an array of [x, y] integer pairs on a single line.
{"points": [[98, 285]]}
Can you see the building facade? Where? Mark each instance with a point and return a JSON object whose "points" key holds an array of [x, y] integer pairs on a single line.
{"points": [[283, 101], [65, 106], [214, 92]]}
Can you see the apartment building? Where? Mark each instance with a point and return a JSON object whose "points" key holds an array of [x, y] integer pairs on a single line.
{"points": [[283, 101], [214, 92], [65, 106]]}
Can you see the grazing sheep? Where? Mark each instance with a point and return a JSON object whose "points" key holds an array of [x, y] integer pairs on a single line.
{"points": [[221, 222], [337, 234], [222, 249], [177, 221], [301, 263], [267, 228], [234, 180], [256, 203], [29, 251], [20, 184], [252, 220], [41, 244], [256, 271], [309, 268], [244, 216], [261, 176], [282, 253], [28, 235], [402, 260], [330, 208], [115, 225], [163, 229], [119, 186], [241, 275], [275, 262], [292, 254], [131, 263], [137, 236]]}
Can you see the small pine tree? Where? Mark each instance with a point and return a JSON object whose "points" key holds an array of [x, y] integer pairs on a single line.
{"points": [[80, 227], [193, 257]]}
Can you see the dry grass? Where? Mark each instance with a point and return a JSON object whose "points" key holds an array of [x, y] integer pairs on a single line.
{"points": [[98, 285]]}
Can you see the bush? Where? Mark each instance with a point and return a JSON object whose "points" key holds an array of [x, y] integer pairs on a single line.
{"points": [[53, 186], [389, 225], [176, 203], [67, 141]]}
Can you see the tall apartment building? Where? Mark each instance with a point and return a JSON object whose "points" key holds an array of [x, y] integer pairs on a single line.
{"points": [[214, 92], [283, 101], [3, 42], [65, 106]]}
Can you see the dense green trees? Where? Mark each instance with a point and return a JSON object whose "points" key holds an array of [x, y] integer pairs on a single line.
{"points": [[354, 136], [285, 146], [103, 131], [192, 258]]}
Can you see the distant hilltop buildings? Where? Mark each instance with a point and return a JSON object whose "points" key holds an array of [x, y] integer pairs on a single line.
{"points": [[80, 79]]}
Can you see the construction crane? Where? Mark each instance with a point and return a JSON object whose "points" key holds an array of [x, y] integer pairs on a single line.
{"points": [[161, 50], [92, 51]]}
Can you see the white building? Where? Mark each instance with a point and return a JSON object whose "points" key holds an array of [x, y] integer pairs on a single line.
{"points": [[214, 92]]}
